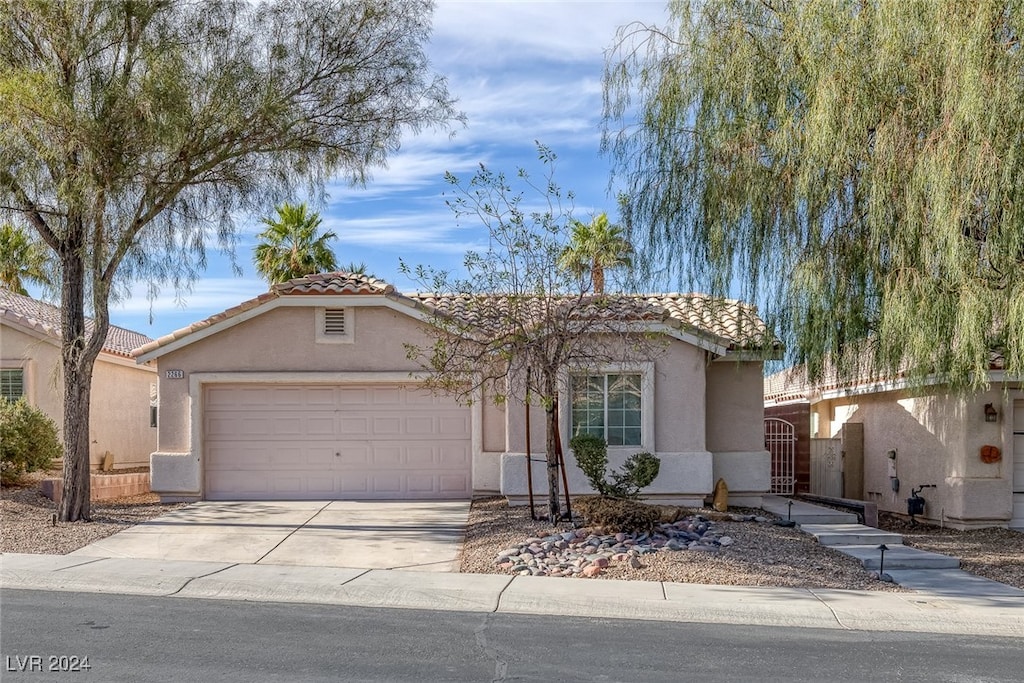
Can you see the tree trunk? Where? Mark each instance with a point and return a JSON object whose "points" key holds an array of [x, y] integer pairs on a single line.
{"points": [[551, 442], [554, 508], [597, 275], [77, 357]]}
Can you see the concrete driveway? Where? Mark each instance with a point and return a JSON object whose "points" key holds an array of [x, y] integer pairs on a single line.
{"points": [[415, 535]]}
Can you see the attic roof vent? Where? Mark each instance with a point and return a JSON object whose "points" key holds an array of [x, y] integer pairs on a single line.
{"points": [[334, 326], [334, 321]]}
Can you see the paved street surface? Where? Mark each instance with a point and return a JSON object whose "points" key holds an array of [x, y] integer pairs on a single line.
{"points": [[141, 638]]}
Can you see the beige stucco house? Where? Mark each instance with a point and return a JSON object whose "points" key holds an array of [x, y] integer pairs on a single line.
{"points": [[970, 447], [307, 391], [122, 390]]}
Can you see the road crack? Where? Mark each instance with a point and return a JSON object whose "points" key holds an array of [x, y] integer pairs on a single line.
{"points": [[500, 665]]}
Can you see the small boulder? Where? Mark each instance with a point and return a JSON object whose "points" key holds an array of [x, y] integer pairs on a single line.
{"points": [[721, 496]]}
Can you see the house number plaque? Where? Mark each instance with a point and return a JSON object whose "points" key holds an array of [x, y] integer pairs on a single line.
{"points": [[175, 374]]}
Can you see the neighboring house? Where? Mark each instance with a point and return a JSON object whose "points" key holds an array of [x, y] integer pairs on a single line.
{"points": [[122, 390], [895, 440], [307, 391]]}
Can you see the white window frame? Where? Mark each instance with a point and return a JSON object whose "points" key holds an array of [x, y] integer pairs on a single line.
{"points": [[645, 370], [25, 379], [321, 320]]}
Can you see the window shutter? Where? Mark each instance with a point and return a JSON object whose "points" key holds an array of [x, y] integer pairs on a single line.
{"points": [[334, 321]]}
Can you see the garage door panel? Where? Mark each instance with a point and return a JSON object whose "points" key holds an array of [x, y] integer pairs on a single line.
{"points": [[420, 457], [319, 458], [420, 426], [320, 397], [453, 425], [388, 456], [387, 396], [320, 426], [354, 426], [454, 457], [386, 484], [420, 484], [453, 483], [353, 456], [272, 441], [353, 396], [387, 426], [354, 486]]}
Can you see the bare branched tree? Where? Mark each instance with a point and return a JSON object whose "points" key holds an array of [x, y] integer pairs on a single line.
{"points": [[518, 319]]}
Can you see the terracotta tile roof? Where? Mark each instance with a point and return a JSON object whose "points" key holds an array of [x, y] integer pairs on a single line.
{"points": [[333, 283], [793, 384], [729, 322], [45, 318]]}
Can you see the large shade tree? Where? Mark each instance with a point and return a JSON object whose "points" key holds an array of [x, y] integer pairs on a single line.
{"points": [[131, 133], [853, 165], [292, 245]]}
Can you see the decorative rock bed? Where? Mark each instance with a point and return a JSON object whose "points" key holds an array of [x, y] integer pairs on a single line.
{"points": [[583, 553]]}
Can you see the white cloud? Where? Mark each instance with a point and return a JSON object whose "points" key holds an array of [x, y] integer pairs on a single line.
{"points": [[500, 32], [408, 233], [207, 294], [407, 170]]}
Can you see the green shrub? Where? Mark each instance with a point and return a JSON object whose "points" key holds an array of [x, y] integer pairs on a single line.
{"points": [[637, 472], [591, 453], [28, 440], [613, 515]]}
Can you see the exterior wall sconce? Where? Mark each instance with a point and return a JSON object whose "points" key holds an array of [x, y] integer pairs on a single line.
{"points": [[991, 414]]}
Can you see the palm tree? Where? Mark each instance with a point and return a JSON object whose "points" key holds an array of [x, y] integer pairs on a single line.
{"points": [[291, 247], [21, 259], [595, 247]]}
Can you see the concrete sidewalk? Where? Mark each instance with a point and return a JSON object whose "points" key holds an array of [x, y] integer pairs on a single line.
{"points": [[603, 599]]}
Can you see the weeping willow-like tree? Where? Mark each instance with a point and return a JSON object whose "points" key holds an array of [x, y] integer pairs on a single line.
{"points": [[856, 166], [131, 134]]}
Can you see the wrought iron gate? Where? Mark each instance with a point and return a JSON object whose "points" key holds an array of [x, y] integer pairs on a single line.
{"points": [[780, 441]]}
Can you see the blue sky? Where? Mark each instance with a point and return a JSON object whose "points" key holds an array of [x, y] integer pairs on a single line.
{"points": [[523, 71]]}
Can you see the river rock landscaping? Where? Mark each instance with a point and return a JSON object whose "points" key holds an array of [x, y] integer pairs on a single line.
{"points": [[580, 552]]}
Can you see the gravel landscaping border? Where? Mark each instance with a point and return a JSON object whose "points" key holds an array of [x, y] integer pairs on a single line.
{"points": [[761, 554], [27, 518]]}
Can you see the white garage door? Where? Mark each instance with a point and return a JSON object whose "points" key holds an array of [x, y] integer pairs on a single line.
{"points": [[282, 442]]}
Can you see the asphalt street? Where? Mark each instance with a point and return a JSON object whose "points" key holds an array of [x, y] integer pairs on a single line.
{"points": [[141, 638]]}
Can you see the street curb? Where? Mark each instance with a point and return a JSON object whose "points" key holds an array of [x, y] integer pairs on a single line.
{"points": [[920, 612]]}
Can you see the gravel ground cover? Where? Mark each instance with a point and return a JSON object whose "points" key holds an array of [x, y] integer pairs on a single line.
{"points": [[26, 519], [762, 554], [996, 554]]}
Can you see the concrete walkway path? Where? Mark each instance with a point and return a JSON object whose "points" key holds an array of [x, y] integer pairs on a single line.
{"points": [[909, 567], [601, 599], [426, 535]]}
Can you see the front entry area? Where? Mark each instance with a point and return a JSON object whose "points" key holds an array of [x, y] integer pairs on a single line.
{"points": [[334, 442]]}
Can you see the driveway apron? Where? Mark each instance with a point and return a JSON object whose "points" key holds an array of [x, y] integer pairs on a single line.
{"points": [[411, 535]]}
